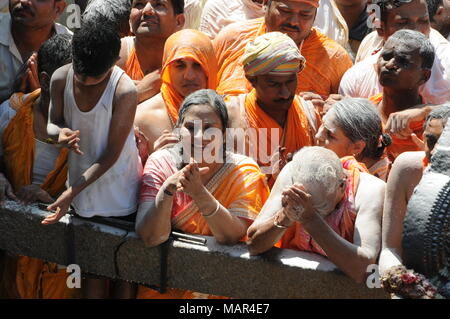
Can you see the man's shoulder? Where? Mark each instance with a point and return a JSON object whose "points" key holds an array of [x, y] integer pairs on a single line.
{"points": [[151, 109], [238, 31], [408, 163], [60, 75], [332, 48]]}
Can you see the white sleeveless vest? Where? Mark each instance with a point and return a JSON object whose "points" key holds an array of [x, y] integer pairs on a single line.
{"points": [[115, 193]]}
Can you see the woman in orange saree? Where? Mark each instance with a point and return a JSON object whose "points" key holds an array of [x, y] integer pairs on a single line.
{"points": [[218, 196]]}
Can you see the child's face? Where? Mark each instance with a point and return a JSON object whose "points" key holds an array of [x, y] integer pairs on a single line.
{"points": [[400, 66]]}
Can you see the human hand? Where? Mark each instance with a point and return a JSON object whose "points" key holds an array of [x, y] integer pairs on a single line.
{"points": [[165, 140], [141, 144], [190, 181], [6, 190], [27, 78], [70, 139], [398, 122], [279, 161], [419, 143], [315, 98], [297, 204], [33, 193], [60, 207], [332, 99]]}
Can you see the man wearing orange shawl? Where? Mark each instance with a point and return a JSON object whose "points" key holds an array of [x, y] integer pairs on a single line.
{"points": [[323, 205], [36, 170], [141, 54], [189, 64], [405, 175], [283, 121], [403, 67], [326, 60]]}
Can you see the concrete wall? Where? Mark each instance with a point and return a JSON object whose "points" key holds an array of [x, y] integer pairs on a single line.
{"points": [[212, 268]]}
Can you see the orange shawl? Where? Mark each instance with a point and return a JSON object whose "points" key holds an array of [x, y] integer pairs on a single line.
{"points": [[19, 143], [400, 145], [296, 133], [180, 45], [326, 60], [240, 187], [342, 220], [133, 67]]}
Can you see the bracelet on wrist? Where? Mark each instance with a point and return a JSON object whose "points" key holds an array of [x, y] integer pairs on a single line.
{"points": [[277, 224], [214, 212], [167, 192]]}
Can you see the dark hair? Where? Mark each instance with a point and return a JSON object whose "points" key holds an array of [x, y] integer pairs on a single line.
{"points": [[95, 47], [360, 121], [178, 6], [387, 5], [433, 6], [54, 53], [416, 39], [116, 12], [442, 112], [208, 97]]}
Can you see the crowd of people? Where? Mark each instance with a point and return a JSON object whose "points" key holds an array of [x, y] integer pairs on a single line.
{"points": [[298, 124]]}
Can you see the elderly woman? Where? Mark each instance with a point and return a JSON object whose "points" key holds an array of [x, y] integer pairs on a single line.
{"points": [[352, 127], [219, 196]]}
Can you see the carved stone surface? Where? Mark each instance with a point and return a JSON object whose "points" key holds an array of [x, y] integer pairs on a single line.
{"points": [[426, 240]]}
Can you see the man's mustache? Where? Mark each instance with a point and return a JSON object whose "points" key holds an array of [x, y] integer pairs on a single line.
{"points": [[21, 8], [291, 27]]}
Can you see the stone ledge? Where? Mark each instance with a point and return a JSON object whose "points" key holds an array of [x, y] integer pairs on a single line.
{"points": [[212, 268]]}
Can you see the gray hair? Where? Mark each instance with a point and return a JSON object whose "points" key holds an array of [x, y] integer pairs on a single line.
{"points": [[360, 121], [207, 97], [415, 39], [317, 166], [441, 112], [115, 11]]}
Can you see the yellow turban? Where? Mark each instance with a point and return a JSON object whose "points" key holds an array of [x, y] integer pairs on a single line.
{"points": [[275, 53]]}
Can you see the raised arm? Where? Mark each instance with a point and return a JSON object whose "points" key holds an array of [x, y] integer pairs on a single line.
{"points": [[271, 223], [404, 176], [124, 109]]}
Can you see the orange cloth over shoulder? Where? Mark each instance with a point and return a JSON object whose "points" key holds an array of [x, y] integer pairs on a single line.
{"points": [[34, 278], [400, 145], [296, 133], [18, 144], [133, 67], [342, 220], [183, 44], [326, 60]]}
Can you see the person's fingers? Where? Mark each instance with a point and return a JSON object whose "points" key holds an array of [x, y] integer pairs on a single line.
{"points": [[45, 197], [203, 170], [388, 126], [9, 192], [420, 144], [53, 218]]}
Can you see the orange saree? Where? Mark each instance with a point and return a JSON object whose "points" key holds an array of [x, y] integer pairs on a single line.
{"points": [[239, 186]]}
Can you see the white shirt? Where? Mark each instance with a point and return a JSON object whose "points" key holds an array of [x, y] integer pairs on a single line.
{"points": [[361, 80], [192, 13], [10, 58], [330, 22], [6, 115], [115, 193], [217, 14]]}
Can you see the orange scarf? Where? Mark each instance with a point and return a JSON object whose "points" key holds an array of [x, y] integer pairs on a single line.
{"points": [[326, 60], [342, 220], [186, 44], [133, 67], [400, 145], [295, 134], [19, 143]]}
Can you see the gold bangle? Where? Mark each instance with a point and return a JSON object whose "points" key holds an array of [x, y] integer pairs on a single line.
{"points": [[214, 212], [275, 223]]}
